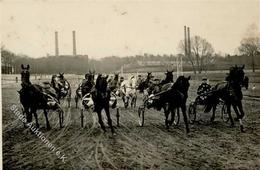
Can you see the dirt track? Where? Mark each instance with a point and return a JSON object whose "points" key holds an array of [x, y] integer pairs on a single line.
{"points": [[208, 146]]}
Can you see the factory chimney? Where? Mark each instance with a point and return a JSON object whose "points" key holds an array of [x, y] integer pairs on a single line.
{"points": [[74, 42], [56, 44]]}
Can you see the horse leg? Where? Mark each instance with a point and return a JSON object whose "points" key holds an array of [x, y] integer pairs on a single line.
{"points": [[173, 115], [135, 101], [47, 120], [213, 113], [100, 121], [28, 115], [239, 117], [183, 109], [34, 111], [166, 113], [229, 114], [109, 119], [240, 107]]}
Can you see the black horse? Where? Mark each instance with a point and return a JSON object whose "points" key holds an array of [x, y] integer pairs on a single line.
{"points": [[101, 98], [173, 98], [62, 87], [231, 93], [177, 98], [33, 97]]}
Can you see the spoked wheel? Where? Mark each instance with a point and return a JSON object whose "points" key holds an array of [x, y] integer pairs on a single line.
{"points": [[141, 116], [192, 113], [224, 114]]}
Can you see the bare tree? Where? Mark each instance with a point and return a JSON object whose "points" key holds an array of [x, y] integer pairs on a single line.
{"points": [[251, 48], [201, 53]]}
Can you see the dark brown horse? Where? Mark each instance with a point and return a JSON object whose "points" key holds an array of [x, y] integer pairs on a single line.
{"points": [[33, 98], [231, 93], [101, 98]]}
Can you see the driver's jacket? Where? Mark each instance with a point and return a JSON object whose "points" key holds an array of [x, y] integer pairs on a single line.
{"points": [[86, 87], [204, 88]]}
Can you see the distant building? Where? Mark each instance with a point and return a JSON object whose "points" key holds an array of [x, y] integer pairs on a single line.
{"points": [[7, 65], [155, 63]]}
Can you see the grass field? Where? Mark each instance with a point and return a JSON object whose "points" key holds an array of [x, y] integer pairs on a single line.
{"points": [[208, 146]]}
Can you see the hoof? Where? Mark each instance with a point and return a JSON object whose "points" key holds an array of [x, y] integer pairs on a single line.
{"points": [[242, 129], [232, 125], [48, 128], [236, 119], [212, 120]]}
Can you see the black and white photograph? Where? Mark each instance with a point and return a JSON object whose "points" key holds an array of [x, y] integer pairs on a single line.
{"points": [[130, 84]]}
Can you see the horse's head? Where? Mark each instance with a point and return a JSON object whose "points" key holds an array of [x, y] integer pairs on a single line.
{"points": [[61, 75], [101, 83], [182, 84], [236, 74], [87, 76], [25, 74], [169, 76], [116, 76], [149, 75], [92, 75]]}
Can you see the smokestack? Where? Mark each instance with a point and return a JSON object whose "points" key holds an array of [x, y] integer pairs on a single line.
{"points": [[189, 48], [185, 41], [56, 44], [74, 42]]}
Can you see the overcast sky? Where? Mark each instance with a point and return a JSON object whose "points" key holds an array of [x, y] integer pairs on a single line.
{"points": [[123, 28]]}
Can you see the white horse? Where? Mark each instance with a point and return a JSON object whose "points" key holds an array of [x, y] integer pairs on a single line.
{"points": [[128, 91]]}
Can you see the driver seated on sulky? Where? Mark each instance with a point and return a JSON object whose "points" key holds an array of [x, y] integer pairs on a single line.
{"points": [[86, 85], [203, 91]]}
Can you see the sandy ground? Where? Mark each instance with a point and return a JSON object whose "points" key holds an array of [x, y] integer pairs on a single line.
{"points": [[208, 146]]}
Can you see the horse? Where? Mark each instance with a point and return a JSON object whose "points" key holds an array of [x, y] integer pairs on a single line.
{"points": [[230, 92], [33, 97], [101, 98], [128, 91], [62, 87], [173, 98]]}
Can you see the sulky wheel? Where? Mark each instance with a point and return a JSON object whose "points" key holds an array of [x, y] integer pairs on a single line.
{"points": [[192, 113], [141, 116], [224, 114]]}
